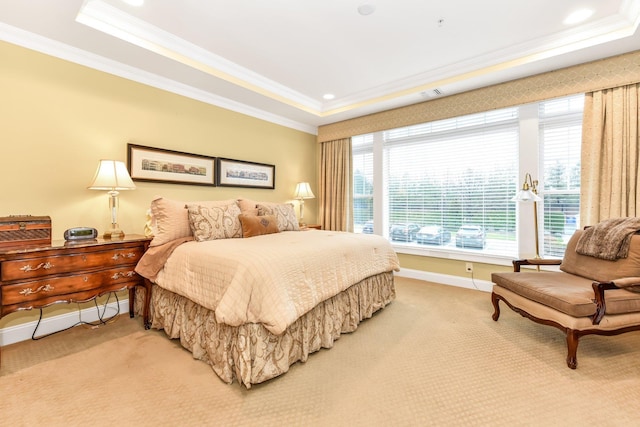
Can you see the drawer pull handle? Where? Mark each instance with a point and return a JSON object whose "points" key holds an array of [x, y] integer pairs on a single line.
{"points": [[120, 275], [116, 256], [45, 265], [43, 288]]}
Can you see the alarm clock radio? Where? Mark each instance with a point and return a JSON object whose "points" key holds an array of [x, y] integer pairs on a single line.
{"points": [[80, 233]]}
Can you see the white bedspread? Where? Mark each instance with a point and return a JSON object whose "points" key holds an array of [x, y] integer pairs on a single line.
{"points": [[273, 279]]}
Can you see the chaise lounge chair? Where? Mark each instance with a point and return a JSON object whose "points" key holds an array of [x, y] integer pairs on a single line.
{"points": [[589, 295]]}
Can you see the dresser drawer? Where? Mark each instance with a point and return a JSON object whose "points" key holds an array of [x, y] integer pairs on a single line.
{"points": [[58, 287], [51, 265], [64, 272]]}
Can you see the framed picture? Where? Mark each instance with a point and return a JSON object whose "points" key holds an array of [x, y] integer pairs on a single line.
{"points": [[172, 167], [238, 173]]}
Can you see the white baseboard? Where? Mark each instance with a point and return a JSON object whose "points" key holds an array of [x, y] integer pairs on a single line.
{"points": [[23, 332], [446, 279]]}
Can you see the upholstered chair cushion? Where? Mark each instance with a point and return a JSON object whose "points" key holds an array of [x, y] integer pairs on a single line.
{"points": [[600, 269], [567, 293]]}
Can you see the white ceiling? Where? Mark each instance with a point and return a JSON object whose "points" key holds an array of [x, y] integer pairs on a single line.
{"points": [[276, 59]]}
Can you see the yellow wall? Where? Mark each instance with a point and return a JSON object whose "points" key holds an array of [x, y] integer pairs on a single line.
{"points": [[58, 119]]}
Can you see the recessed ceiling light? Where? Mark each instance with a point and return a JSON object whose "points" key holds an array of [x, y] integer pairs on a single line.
{"points": [[578, 16], [328, 96], [366, 9], [136, 3]]}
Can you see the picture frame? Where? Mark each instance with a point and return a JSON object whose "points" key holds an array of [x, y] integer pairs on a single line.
{"points": [[149, 164], [240, 173]]}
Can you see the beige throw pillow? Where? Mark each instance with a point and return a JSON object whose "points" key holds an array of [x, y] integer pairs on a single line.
{"points": [[216, 222], [253, 225], [285, 214], [247, 205], [170, 218]]}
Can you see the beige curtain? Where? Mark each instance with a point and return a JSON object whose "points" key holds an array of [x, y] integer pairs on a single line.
{"points": [[609, 163], [335, 185]]}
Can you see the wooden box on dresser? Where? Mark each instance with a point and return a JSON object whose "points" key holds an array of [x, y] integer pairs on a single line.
{"points": [[35, 277]]}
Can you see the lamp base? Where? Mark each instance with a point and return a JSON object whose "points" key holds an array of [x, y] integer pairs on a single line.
{"points": [[113, 233]]}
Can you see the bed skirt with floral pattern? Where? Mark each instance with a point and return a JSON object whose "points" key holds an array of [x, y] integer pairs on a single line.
{"points": [[252, 354]]}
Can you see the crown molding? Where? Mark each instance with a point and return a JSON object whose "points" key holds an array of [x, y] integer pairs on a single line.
{"points": [[110, 20]]}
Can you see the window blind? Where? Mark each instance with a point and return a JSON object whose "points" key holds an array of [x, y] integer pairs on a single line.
{"points": [[362, 153], [458, 176], [560, 122], [454, 173]]}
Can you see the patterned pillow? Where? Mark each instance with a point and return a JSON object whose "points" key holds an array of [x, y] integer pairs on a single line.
{"points": [[170, 219], [149, 224], [284, 213], [253, 225], [215, 222]]}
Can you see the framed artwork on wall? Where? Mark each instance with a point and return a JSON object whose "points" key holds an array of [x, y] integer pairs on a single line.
{"points": [[239, 173], [171, 167]]}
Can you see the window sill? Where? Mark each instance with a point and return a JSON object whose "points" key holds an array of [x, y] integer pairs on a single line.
{"points": [[452, 253]]}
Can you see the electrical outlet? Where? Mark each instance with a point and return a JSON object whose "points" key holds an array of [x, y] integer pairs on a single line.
{"points": [[468, 267]]}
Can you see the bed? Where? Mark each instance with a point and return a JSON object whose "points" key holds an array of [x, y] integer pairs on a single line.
{"points": [[248, 292]]}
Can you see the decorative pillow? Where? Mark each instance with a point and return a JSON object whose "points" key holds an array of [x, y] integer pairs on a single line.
{"points": [[598, 269], [216, 222], [149, 225], [284, 212], [253, 225], [171, 219], [247, 205]]}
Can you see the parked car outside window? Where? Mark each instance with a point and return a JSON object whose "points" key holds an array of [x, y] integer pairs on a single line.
{"points": [[368, 227], [471, 236], [433, 234], [404, 231]]}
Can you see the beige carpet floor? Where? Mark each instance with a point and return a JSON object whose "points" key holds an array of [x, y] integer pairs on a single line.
{"points": [[432, 357]]}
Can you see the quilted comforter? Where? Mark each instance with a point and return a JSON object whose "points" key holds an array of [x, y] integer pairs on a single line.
{"points": [[276, 278]]}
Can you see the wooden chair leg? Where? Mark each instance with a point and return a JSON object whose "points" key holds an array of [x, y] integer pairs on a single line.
{"points": [[572, 348], [496, 308]]}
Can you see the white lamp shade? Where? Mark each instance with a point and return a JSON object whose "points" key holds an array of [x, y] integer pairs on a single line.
{"points": [[303, 191], [112, 175], [526, 196]]}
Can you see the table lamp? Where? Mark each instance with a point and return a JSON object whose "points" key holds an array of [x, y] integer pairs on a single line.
{"points": [[112, 176], [303, 191]]}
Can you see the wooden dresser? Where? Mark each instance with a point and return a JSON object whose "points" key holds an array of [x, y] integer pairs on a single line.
{"points": [[70, 272]]}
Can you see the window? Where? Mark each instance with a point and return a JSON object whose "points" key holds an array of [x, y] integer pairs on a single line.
{"points": [[560, 137], [448, 184], [362, 152]]}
